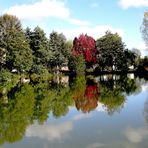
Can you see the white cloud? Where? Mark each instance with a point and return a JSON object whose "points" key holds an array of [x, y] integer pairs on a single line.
{"points": [[94, 5], [44, 9], [135, 135], [133, 3], [79, 22], [39, 10], [95, 32]]}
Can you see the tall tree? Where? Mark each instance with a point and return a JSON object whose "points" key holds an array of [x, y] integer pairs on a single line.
{"points": [[110, 52], [39, 45], [14, 43], [57, 45]]}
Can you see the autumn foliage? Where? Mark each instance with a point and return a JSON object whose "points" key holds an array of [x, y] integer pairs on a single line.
{"points": [[87, 100], [86, 46]]}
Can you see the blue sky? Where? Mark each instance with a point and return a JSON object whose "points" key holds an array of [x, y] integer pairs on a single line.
{"points": [[73, 17]]}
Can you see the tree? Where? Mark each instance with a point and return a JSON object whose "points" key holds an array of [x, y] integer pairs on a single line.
{"points": [[137, 55], [57, 46], [77, 64], [144, 28], [110, 52], [39, 44], [14, 43], [132, 57], [86, 46]]}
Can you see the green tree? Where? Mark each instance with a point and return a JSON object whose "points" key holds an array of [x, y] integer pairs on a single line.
{"points": [[110, 52], [39, 44], [132, 57], [57, 46], [69, 45], [14, 43], [77, 64]]}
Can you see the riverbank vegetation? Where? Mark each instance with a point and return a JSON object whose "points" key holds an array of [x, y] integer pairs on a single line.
{"points": [[31, 53]]}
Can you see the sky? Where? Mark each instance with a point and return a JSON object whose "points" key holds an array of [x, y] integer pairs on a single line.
{"points": [[91, 17]]}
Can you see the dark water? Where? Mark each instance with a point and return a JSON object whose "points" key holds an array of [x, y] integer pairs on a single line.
{"points": [[108, 111]]}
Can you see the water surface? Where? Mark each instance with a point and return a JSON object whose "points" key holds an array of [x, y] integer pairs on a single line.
{"points": [[108, 111]]}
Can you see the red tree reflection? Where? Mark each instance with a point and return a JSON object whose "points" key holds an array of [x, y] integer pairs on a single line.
{"points": [[87, 100]]}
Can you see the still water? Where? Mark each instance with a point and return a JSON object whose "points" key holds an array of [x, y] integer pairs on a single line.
{"points": [[108, 111]]}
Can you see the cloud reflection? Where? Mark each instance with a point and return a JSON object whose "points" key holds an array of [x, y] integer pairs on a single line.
{"points": [[49, 132], [145, 87], [53, 131], [135, 135], [96, 145]]}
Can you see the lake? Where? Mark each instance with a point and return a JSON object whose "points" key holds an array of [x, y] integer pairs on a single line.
{"points": [[107, 111]]}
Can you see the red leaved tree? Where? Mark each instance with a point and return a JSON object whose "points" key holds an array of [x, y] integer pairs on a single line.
{"points": [[86, 46]]}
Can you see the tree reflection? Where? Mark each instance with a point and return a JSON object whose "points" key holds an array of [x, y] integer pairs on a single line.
{"points": [[128, 85], [22, 104], [27, 103], [85, 94], [61, 101], [113, 99], [15, 117], [114, 89], [43, 99]]}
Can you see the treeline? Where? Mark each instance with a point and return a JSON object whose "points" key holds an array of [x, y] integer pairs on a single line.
{"points": [[30, 51]]}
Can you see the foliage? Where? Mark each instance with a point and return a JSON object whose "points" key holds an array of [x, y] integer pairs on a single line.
{"points": [[14, 43], [39, 44], [132, 57], [110, 52], [40, 77], [2, 57], [57, 46], [77, 64], [5, 75], [39, 69], [86, 46]]}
